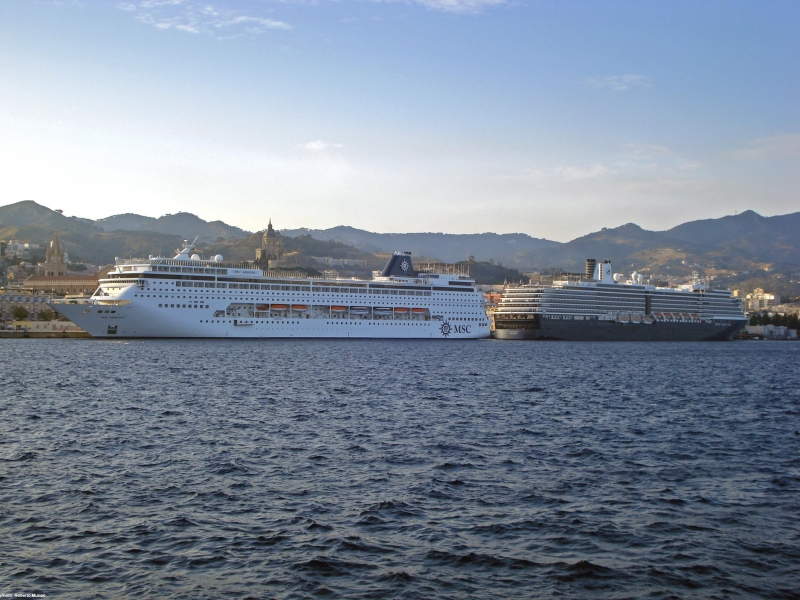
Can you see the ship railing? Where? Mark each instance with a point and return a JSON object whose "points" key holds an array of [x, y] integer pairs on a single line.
{"points": [[185, 263], [571, 277]]}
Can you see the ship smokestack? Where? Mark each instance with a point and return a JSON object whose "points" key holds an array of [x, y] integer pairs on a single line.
{"points": [[591, 265]]}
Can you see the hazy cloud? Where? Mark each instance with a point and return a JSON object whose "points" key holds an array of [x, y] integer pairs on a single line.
{"points": [[191, 16], [619, 83], [774, 147], [460, 6], [638, 149], [654, 157], [568, 173], [318, 146]]}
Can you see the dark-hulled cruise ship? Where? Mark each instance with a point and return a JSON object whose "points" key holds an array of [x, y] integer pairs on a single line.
{"points": [[600, 306]]}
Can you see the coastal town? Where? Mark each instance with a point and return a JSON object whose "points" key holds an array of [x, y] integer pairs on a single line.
{"points": [[33, 276]]}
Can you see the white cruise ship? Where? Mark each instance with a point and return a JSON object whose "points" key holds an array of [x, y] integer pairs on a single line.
{"points": [[599, 306], [187, 297]]}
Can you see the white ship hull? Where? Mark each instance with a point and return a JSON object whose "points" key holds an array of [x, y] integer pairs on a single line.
{"points": [[140, 321]]}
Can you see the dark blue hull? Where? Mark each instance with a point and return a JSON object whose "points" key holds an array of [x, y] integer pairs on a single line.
{"points": [[610, 331]]}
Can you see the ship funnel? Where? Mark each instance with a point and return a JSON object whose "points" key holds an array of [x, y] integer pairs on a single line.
{"points": [[591, 265], [399, 265]]}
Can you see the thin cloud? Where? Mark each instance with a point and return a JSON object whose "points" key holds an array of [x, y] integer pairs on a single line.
{"points": [[655, 157], [769, 148], [638, 149], [619, 83], [191, 16], [460, 6], [257, 22], [319, 146], [568, 173]]}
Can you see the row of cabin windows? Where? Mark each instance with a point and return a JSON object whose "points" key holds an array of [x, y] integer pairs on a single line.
{"points": [[294, 288], [181, 306]]}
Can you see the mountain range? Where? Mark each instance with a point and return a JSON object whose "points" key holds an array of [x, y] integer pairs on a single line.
{"points": [[730, 245], [183, 224], [449, 247], [745, 241]]}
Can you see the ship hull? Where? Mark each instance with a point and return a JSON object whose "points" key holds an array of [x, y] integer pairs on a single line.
{"points": [[141, 321], [610, 331]]}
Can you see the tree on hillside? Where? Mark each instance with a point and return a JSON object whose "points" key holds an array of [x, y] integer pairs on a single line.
{"points": [[20, 313]]}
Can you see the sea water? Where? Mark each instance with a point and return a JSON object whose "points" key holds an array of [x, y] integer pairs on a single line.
{"points": [[399, 469]]}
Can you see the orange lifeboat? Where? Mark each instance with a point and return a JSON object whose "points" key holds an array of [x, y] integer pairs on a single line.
{"points": [[338, 308], [279, 307], [299, 307], [418, 311], [400, 310], [262, 307]]}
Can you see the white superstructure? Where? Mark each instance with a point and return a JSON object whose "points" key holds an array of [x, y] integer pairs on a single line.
{"points": [[185, 297]]}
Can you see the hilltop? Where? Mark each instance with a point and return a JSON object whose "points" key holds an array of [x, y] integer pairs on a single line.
{"points": [[182, 224]]}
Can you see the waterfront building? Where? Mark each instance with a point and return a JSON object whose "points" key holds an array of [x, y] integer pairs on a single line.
{"points": [[770, 332], [33, 302], [62, 285]]}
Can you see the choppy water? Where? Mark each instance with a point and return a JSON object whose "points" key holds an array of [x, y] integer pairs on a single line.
{"points": [[385, 469]]}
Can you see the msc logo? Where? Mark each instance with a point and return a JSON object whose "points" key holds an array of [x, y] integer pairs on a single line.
{"points": [[447, 329]]}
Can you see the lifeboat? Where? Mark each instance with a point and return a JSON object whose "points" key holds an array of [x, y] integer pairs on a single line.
{"points": [[359, 310], [624, 318], [279, 307], [262, 307], [636, 318], [401, 310], [299, 307], [382, 310], [338, 308], [418, 311], [647, 320]]}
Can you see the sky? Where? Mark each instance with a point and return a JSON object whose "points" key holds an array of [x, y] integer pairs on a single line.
{"points": [[551, 118]]}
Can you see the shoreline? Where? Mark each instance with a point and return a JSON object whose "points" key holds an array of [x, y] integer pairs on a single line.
{"points": [[44, 334]]}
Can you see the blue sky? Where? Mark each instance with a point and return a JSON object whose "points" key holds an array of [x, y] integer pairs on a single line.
{"points": [[549, 118]]}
